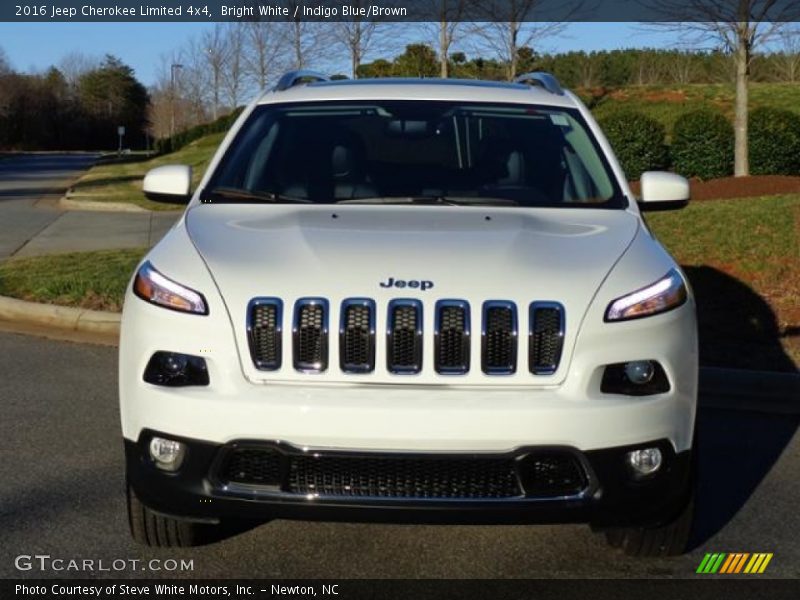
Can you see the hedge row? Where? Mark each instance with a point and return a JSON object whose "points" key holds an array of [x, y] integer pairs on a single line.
{"points": [[182, 138], [703, 141]]}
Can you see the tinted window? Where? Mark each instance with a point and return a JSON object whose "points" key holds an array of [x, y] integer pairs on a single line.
{"points": [[334, 152]]}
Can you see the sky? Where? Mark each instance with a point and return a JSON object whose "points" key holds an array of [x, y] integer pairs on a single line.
{"points": [[36, 46]]}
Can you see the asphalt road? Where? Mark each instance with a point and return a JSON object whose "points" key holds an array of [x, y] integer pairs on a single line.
{"points": [[62, 495], [32, 224], [29, 186]]}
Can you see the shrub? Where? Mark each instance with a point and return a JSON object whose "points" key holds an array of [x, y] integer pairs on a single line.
{"points": [[774, 142], [702, 145], [638, 141], [182, 138]]}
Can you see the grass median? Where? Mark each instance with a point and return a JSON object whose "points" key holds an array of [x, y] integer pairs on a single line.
{"points": [[122, 181], [742, 257], [95, 280]]}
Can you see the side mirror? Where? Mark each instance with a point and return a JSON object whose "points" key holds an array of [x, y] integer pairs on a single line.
{"points": [[663, 191], [170, 183]]}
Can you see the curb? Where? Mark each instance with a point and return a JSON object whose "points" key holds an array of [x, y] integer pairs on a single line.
{"points": [[724, 389], [60, 317], [67, 203]]}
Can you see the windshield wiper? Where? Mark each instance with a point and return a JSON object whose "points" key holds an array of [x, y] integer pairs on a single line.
{"points": [[434, 200], [226, 194]]}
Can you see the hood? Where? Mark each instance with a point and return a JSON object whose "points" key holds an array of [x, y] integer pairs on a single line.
{"points": [[379, 252]]}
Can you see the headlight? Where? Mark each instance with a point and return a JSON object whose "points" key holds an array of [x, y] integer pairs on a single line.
{"points": [[665, 294], [153, 287]]}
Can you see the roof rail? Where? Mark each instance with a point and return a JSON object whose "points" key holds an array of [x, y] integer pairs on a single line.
{"points": [[542, 80], [293, 78]]}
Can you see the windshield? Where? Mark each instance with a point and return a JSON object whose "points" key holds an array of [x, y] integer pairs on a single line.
{"points": [[431, 152]]}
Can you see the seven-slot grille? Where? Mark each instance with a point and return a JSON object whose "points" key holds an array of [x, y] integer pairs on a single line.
{"points": [[404, 336]]}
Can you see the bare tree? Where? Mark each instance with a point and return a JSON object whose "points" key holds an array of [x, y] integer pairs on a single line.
{"points": [[787, 59], [740, 27], [5, 66], [527, 23], [446, 28], [304, 39], [682, 67], [215, 49], [264, 54], [74, 64], [357, 37], [233, 71]]}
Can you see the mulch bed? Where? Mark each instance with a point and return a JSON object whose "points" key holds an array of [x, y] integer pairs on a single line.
{"points": [[740, 187]]}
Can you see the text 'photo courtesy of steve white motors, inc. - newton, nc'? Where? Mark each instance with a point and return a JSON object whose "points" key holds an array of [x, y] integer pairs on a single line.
{"points": [[211, 11], [77, 590]]}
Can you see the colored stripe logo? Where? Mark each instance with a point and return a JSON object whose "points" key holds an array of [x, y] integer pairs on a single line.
{"points": [[733, 563]]}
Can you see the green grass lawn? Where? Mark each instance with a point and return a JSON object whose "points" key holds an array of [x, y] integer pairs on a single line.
{"points": [[741, 256], [94, 280], [667, 103], [122, 182]]}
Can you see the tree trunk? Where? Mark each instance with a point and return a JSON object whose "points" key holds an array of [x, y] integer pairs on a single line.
{"points": [[741, 161], [443, 48]]}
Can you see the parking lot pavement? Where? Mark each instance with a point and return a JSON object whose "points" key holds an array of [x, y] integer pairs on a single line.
{"points": [[63, 482], [31, 224]]}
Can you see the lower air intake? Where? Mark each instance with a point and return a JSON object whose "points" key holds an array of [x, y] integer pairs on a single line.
{"points": [[538, 474]]}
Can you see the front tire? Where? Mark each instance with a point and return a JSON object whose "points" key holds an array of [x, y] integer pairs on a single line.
{"points": [[158, 531], [670, 539]]}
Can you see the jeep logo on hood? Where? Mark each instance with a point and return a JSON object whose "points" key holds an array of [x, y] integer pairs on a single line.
{"points": [[410, 283]]}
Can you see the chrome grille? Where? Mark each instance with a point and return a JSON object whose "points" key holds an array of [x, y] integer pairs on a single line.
{"points": [[546, 337], [357, 349], [357, 336], [311, 335], [499, 342], [452, 337], [404, 337], [264, 332]]}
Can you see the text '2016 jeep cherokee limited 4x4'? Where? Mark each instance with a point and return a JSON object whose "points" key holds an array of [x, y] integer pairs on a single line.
{"points": [[412, 300]]}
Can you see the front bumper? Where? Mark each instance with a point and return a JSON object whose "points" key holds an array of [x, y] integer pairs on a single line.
{"points": [[610, 495]]}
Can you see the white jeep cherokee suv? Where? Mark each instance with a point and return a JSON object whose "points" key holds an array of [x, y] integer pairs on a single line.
{"points": [[411, 300]]}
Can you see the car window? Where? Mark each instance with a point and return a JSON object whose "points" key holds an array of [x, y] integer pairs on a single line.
{"points": [[334, 152]]}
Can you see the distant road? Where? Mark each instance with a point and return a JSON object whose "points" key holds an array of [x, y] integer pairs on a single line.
{"points": [[32, 223], [26, 180]]}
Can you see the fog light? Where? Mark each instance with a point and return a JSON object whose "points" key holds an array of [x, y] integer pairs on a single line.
{"points": [[640, 371], [634, 378], [173, 369], [167, 454], [645, 461]]}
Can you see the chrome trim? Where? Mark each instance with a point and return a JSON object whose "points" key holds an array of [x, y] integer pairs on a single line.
{"points": [[553, 367], [273, 492], [465, 342], [418, 340], [278, 304], [321, 365], [512, 367], [369, 304]]}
